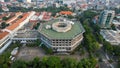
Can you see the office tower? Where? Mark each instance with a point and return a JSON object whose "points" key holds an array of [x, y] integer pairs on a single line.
{"points": [[106, 18]]}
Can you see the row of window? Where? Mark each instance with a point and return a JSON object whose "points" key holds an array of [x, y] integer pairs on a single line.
{"points": [[61, 44], [67, 48]]}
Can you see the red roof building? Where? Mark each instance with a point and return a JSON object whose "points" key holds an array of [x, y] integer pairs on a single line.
{"points": [[66, 12]]}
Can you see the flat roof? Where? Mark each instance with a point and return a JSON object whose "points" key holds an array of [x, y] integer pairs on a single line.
{"points": [[110, 35], [50, 33], [26, 34]]}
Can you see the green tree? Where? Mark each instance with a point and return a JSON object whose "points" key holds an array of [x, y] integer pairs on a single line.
{"points": [[48, 50], [70, 16], [79, 65], [36, 62], [89, 14], [99, 38], [4, 18], [116, 50], [69, 63], [3, 25], [87, 63], [19, 64], [1, 9], [37, 42], [4, 60], [107, 47], [95, 45], [53, 62], [89, 39], [113, 27]]}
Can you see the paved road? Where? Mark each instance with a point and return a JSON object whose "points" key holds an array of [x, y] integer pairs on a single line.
{"points": [[105, 58]]}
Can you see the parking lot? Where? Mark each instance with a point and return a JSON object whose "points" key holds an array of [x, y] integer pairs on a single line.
{"points": [[29, 53]]}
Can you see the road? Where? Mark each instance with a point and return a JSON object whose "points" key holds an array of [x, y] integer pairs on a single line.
{"points": [[105, 58]]}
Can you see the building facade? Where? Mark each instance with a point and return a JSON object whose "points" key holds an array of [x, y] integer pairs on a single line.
{"points": [[106, 18]]}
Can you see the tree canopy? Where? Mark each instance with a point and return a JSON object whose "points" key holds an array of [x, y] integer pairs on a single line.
{"points": [[56, 62]]}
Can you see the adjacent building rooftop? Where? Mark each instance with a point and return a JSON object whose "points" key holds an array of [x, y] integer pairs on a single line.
{"points": [[111, 36], [26, 34]]}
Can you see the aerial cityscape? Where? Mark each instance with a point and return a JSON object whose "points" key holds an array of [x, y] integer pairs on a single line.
{"points": [[59, 33]]}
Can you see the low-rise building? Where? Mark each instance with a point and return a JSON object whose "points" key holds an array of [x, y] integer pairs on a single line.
{"points": [[45, 16], [9, 21], [9, 32], [34, 18], [26, 36], [111, 36], [4, 8]]}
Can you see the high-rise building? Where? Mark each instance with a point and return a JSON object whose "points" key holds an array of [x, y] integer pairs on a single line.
{"points": [[106, 18]]}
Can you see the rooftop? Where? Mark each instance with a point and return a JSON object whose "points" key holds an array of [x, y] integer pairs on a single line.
{"points": [[26, 34], [111, 36], [16, 24], [75, 30], [3, 34], [66, 12]]}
